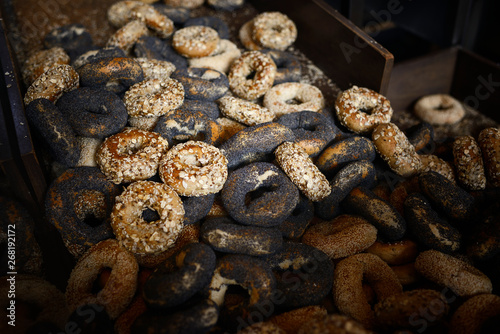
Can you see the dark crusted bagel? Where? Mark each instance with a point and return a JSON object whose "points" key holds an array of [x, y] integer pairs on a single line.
{"points": [[78, 203], [272, 195], [296, 223], [93, 55], [255, 143], [225, 235], [421, 135], [202, 83], [60, 139], [155, 48], [208, 108], [251, 273], [181, 125], [304, 274], [112, 73], [312, 130], [426, 225], [453, 201], [180, 277], [74, 38], [195, 208], [364, 202], [288, 66], [354, 174], [92, 112], [344, 151]]}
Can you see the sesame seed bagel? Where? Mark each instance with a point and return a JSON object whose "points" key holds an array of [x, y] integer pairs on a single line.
{"points": [[41, 61], [53, 83], [468, 162], [154, 97], [489, 142], [249, 62], [361, 109], [306, 97], [194, 168], [135, 233], [274, 30], [396, 150], [295, 162], [195, 41], [131, 155]]}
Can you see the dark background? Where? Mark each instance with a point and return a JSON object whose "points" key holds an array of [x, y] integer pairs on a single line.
{"points": [[410, 28]]}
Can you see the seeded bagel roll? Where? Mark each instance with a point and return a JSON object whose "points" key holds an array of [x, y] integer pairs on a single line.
{"points": [[57, 135], [390, 224], [468, 162], [452, 200], [449, 271], [255, 143], [428, 228], [335, 156], [402, 311], [259, 194], [224, 235], [472, 316]]}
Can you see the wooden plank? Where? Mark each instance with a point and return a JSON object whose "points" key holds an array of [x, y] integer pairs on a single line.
{"points": [[430, 74], [9, 162], [17, 122], [344, 52], [477, 83]]}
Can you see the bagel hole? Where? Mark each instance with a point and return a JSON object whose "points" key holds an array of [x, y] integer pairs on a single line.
{"points": [[366, 110], [92, 220], [150, 215], [297, 211], [369, 293], [90, 207], [258, 193], [101, 280], [132, 147], [235, 295], [190, 159], [294, 101], [251, 75], [309, 127], [279, 29], [443, 106], [27, 310]]}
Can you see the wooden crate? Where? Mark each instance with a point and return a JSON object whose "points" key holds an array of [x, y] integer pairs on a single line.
{"points": [[335, 45], [464, 75]]}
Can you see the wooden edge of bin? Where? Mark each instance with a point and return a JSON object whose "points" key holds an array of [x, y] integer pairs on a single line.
{"points": [[345, 53], [16, 122], [429, 74]]}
